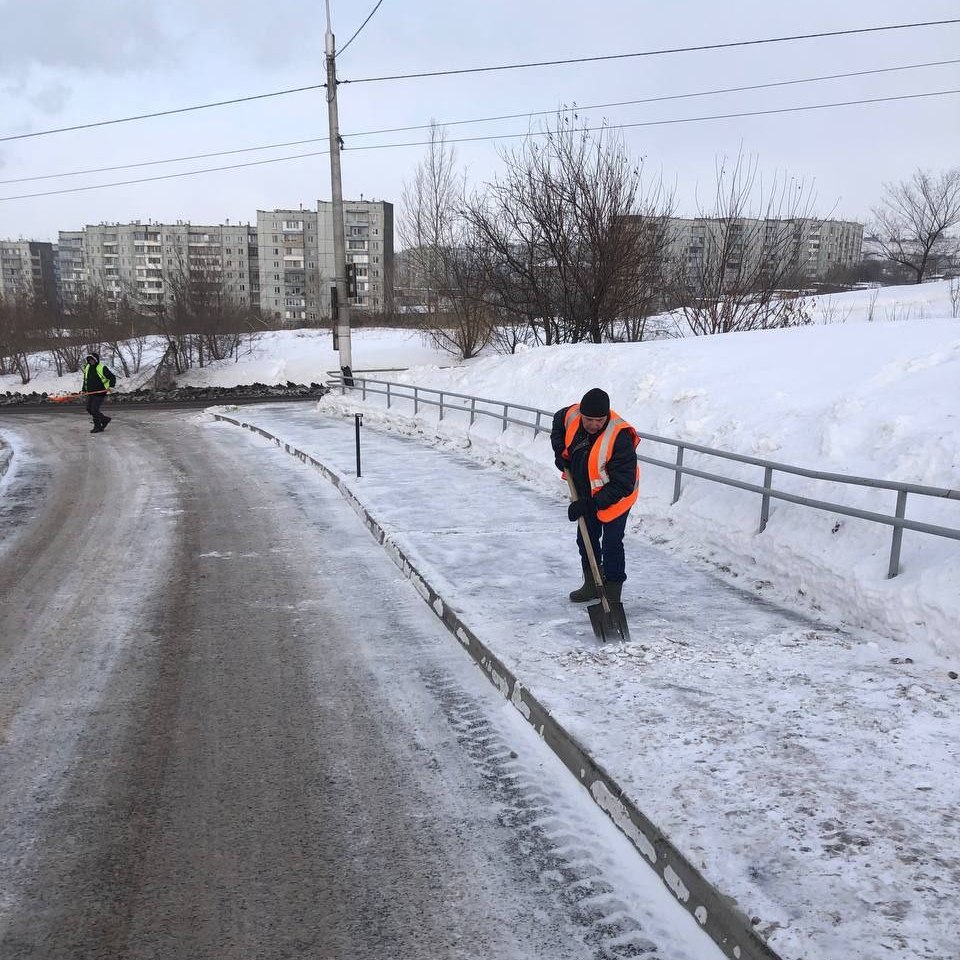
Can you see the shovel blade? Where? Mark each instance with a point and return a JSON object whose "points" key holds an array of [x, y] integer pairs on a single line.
{"points": [[610, 626]]}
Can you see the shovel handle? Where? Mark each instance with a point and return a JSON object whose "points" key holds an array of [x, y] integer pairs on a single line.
{"points": [[588, 547]]}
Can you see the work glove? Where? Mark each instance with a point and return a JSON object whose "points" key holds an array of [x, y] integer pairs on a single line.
{"points": [[561, 463], [581, 508]]}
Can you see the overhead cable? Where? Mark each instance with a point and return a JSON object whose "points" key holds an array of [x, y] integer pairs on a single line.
{"points": [[362, 25], [656, 53], [160, 113], [503, 136], [509, 116], [660, 99], [515, 66]]}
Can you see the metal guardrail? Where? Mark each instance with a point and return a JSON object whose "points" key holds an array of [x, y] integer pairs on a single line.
{"points": [[447, 401]]}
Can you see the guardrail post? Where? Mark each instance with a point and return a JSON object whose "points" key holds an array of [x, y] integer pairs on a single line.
{"points": [[765, 500], [343, 386], [441, 404], [363, 391], [677, 476], [388, 394], [416, 401], [901, 512], [536, 426], [506, 410], [473, 410]]}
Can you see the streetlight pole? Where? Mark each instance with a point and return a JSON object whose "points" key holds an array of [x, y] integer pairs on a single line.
{"points": [[342, 318]]}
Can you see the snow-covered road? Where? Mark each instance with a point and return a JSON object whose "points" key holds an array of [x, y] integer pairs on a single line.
{"points": [[229, 728]]}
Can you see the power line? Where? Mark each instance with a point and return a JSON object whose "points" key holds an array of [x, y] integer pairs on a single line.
{"points": [[662, 99], [510, 116], [362, 25], [167, 176], [161, 113], [657, 53], [515, 66], [504, 136], [154, 163]]}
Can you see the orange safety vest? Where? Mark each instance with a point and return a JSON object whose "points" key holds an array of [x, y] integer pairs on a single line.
{"points": [[599, 455]]}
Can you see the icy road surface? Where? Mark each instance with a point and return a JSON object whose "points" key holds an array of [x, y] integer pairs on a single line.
{"points": [[230, 729]]}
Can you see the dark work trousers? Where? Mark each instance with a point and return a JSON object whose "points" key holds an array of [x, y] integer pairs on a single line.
{"points": [[94, 403], [607, 540]]}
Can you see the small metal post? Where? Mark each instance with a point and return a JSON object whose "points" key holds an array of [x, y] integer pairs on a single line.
{"points": [[677, 476], [363, 392], [506, 410], [765, 500], [388, 394], [358, 421], [536, 426], [901, 512], [473, 410], [441, 404], [416, 401]]}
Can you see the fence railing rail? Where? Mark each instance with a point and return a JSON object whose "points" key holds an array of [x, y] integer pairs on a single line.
{"points": [[540, 421]]}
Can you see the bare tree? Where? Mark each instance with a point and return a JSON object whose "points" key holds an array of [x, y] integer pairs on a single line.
{"points": [[199, 319], [571, 231], [915, 217], [23, 319], [739, 265], [955, 297], [441, 255]]}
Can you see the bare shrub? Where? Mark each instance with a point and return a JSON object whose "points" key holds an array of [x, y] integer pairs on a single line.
{"points": [[573, 237], [743, 268]]}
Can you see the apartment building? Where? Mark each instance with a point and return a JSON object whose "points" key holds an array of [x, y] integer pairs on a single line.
{"points": [[368, 229], [289, 278], [27, 269], [814, 247], [144, 262], [297, 263], [283, 266]]}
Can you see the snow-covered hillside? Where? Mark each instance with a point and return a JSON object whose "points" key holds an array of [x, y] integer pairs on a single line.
{"points": [[874, 398]]}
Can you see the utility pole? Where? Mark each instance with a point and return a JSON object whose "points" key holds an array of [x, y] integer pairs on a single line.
{"points": [[342, 315]]}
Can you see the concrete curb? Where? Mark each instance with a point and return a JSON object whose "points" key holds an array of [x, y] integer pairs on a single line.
{"points": [[722, 921]]}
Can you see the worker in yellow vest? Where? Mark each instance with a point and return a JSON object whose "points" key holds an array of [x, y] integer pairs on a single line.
{"points": [[598, 447], [98, 381]]}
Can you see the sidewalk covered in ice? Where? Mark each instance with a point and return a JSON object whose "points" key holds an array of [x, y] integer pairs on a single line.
{"points": [[808, 772]]}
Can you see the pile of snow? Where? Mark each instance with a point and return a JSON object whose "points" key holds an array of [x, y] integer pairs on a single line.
{"points": [[877, 399]]}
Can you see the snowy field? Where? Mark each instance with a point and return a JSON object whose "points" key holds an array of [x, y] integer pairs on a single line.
{"points": [[877, 399]]}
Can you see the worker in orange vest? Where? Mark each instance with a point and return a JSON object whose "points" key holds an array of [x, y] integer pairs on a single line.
{"points": [[598, 447]]}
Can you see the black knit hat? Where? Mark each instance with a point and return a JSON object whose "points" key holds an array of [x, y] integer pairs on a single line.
{"points": [[595, 403], [95, 357]]}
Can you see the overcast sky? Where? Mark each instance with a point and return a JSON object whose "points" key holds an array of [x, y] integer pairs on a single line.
{"points": [[69, 63]]}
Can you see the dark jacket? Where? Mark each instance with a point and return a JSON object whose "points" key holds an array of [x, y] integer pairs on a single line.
{"points": [[621, 467], [92, 382]]}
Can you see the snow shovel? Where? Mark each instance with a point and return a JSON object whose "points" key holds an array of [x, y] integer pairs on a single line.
{"points": [[606, 617], [66, 397]]}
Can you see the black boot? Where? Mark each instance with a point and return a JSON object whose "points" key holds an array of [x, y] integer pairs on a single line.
{"points": [[96, 427], [589, 589], [104, 421], [613, 590]]}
